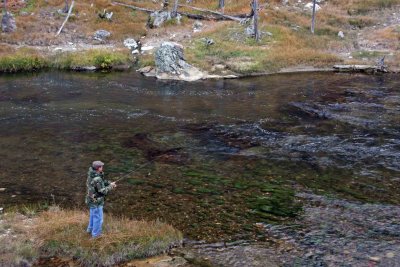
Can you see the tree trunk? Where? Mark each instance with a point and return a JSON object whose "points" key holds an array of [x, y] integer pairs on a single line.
{"points": [[221, 5], [5, 6], [175, 9], [66, 19], [66, 7], [255, 19], [313, 17]]}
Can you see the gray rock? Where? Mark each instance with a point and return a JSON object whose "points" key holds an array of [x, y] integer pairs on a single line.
{"points": [[158, 18], [170, 64], [8, 23], [341, 34], [101, 35], [131, 44], [309, 6], [197, 26], [84, 68]]}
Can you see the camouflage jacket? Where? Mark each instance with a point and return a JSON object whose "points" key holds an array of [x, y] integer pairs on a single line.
{"points": [[97, 188]]}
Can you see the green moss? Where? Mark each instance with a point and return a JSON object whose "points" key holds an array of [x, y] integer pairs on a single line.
{"points": [[278, 201], [136, 181], [178, 190]]}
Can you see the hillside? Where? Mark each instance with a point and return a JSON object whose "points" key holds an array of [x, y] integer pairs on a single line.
{"points": [[370, 27]]}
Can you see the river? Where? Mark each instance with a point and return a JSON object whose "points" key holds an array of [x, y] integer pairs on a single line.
{"points": [[229, 159]]}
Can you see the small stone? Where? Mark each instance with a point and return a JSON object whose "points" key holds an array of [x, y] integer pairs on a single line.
{"points": [[389, 255], [341, 34], [376, 259], [101, 35], [2, 189], [145, 69], [13, 195]]}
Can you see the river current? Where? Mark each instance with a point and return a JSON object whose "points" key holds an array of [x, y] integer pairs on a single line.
{"points": [[224, 155]]}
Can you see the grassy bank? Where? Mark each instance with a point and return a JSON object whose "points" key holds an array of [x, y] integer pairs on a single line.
{"points": [[31, 60], [61, 233]]}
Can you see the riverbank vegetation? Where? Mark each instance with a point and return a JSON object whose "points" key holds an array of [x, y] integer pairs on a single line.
{"points": [[31, 60], [286, 40], [28, 237]]}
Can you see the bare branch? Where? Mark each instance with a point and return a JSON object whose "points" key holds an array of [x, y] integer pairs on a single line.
{"points": [[66, 19]]}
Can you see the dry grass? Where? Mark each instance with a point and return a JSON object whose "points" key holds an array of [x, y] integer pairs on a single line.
{"points": [[285, 48], [62, 233], [291, 43]]}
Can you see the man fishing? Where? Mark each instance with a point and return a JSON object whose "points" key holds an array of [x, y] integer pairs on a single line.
{"points": [[97, 189]]}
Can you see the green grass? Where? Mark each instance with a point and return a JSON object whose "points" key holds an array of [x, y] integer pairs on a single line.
{"points": [[367, 54], [29, 60], [22, 61], [101, 59]]}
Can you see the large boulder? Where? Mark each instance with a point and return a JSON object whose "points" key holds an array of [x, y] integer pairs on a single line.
{"points": [[133, 45], [8, 22], [158, 18], [170, 64]]}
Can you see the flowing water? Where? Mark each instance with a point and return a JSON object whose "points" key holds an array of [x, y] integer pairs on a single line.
{"points": [[225, 154]]}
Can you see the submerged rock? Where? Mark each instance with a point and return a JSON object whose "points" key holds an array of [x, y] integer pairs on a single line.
{"points": [[8, 23], [171, 65]]}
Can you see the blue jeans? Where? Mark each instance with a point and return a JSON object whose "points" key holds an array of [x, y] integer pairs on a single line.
{"points": [[95, 221]]}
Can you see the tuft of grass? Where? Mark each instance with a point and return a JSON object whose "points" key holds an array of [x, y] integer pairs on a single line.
{"points": [[62, 233], [365, 6], [361, 21], [101, 59], [22, 60]]}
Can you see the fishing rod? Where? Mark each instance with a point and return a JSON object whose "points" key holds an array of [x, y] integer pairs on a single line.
{"points": [[140, 167]]}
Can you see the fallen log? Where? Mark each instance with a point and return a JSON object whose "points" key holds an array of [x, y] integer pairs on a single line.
{"points": [[134, 7], [201, 17], [360, 68], [66, 19], [219, 16], [240, 19]]}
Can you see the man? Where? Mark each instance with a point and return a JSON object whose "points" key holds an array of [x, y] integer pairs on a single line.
{"points": [[97, 189]]}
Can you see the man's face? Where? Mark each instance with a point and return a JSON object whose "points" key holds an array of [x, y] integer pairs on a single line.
{"points": [[100, 169]]}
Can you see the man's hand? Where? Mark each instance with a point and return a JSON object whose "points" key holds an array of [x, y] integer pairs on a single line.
{"points": [[113, 185]]}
